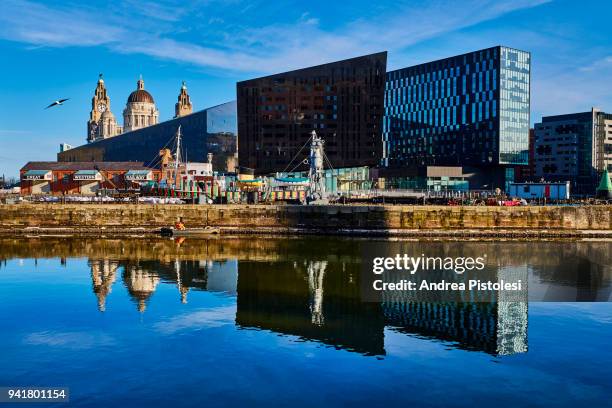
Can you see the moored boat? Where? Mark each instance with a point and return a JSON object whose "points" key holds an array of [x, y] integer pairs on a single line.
{"points": [[189, 232]]}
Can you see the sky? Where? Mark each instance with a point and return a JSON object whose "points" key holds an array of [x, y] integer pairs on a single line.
{"points": [[56, 49]]}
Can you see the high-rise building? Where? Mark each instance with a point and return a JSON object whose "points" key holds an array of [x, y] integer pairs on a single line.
{"points": [[467, 110], [527, 173], [342, 101], [575, 147]]}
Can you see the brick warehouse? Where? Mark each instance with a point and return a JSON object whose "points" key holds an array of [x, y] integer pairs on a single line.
{"points": [[84, 178]]}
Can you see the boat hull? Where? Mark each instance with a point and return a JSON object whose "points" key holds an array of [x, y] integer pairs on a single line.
{"points": [[191, 232]]}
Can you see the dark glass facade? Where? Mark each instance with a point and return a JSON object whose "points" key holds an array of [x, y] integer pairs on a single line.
{"points": [[341, 101], [467, 110], [211, 130]]}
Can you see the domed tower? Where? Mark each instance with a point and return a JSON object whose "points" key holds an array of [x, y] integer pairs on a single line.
{"points": [[183, 106], [107, 126], [140, 110], [100, 106]]}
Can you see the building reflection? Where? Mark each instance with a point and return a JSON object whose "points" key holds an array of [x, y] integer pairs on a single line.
{"points": [[185, 275], [141, 284], [496, 328], [103, 275], [490, 321], [319, 300], [310, 287], [316, 274], [312, 299], [141, 278]]}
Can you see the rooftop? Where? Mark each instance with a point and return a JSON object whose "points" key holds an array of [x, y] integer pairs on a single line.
{"points": [[311, 70], [76, 166], [579, 116], [442, 61]]}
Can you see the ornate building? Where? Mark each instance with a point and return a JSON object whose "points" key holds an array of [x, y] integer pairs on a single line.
{"points": [[140, 110], [102, 123], [212, 130], [183, 106]]}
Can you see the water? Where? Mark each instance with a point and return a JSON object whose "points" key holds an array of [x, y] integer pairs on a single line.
{"points": [[233, 322]]}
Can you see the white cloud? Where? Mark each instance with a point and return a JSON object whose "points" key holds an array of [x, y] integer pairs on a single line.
{"points": [[37, 24], [219, 38], [305, 18], [156, 10], [268, 48], [598, 65], [571, 90]]}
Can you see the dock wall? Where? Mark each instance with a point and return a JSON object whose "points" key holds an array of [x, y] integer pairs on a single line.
{"points": [[326, 219]]}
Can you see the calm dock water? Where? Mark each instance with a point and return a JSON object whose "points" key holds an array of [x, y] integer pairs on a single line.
{"points": [[226, 322]]}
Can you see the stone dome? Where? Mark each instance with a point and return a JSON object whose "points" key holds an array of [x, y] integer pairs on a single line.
{"points": [[140, 110], [107, 114], [140, 95]]}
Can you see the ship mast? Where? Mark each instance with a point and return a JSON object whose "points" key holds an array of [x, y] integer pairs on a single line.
{"points": [[316, 174], [177, 156]]}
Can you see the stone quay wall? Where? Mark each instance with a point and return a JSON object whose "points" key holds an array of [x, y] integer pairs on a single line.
{"points": [[325, 219]]}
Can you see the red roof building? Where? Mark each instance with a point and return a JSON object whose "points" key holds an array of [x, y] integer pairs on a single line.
{"points": [[84, 178]]}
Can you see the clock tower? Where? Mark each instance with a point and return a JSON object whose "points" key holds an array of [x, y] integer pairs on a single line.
{"points": [[183, 106], [101, 123]]}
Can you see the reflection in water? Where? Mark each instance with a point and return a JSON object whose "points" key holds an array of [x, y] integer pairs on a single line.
{"points": [[141, 278], [495, 321], [319, 301], [496, 328], [313, 299], [103, 275], [316, 274], [140, 284], [311, 289]]}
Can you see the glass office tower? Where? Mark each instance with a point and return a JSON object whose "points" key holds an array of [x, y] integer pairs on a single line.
{"points": [[466, 110]]}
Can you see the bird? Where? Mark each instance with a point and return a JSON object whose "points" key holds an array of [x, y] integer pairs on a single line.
{"points": [[60, 102]]}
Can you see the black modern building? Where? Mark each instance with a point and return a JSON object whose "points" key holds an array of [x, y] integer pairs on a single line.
{"points": [[342, 101], [211, 130], [470, 110]]}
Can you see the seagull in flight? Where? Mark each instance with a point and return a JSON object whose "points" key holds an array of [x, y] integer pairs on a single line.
{"points": [[60, 102]]}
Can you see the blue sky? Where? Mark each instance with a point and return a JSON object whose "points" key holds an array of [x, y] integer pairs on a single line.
{"points": [[57, 49]]}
